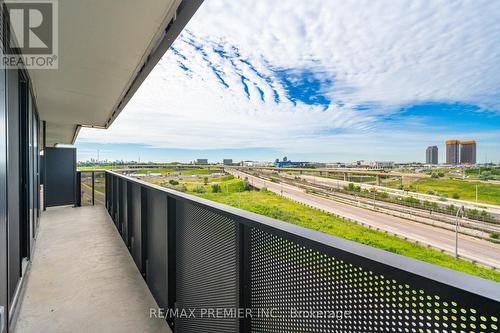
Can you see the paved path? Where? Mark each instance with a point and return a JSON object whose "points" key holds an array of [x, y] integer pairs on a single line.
{"points": [[471, 248]]}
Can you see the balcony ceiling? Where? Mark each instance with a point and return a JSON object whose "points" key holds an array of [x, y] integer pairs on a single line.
{"points": [[102, 47]]}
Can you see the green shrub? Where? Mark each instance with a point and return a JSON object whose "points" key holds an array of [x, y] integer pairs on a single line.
{"points": [[494, 235], [173, 182], [474, 213], [383, 195], [455, 195], [431, 192], [199, 189], [484, 214], [216, 188], [246, 185], [485, 175]]}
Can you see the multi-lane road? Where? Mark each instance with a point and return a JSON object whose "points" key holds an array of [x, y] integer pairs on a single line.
{"points": [[481, 251]]}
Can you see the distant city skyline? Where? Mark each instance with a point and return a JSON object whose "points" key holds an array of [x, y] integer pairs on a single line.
{"points": [[351, 83], [144, 154]]}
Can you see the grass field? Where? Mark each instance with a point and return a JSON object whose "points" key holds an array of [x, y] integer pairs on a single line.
{"points": [[192, 171], [272, 205], [100, 167], [183, 171], [488, 193]]}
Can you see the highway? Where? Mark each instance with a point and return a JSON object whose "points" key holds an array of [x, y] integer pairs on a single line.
{"points": [[469, 227], [334, 183], [481, 251], [492, 209]]}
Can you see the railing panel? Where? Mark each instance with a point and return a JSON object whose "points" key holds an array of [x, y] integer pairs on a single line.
{"points": [[207, 267], [86, 188], [123, 223], [156, 245], [313, 291], [136, 226], [99, 187], [91, 187], [108, 200], [116, 200]]}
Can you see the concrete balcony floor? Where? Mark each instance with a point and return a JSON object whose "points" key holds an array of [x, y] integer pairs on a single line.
{"points": [[83, 279]]}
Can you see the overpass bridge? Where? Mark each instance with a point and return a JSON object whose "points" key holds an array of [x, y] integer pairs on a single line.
{"points": [[406, 178]]}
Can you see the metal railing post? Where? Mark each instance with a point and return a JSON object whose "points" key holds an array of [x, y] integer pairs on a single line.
{"points": [[93, 186], [244, 272], [78, 190], [171, 256]]}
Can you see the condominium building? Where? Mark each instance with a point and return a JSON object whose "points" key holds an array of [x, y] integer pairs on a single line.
{"points": [[468, 152], [452, 152], [431, 155]]}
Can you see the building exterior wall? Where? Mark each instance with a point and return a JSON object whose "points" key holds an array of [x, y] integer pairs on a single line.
{"points": [[288, 164], [19, 177]]}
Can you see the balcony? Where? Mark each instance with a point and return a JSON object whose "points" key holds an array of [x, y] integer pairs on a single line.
{"points": [[82, 278], [200, 256]]}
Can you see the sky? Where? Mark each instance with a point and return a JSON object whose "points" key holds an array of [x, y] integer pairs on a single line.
{"points": [[337, 80]]}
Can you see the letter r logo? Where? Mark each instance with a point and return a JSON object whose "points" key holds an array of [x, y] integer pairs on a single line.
{"points": [[32, 28]]}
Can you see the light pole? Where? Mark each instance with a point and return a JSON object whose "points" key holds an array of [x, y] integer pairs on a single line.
{"points": [[456, 230]]}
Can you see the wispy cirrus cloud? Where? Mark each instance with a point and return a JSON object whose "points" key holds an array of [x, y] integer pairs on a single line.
{"points": [[316, 76]]}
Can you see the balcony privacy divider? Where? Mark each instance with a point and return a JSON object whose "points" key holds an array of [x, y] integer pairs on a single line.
{"points": [[242, 272]]}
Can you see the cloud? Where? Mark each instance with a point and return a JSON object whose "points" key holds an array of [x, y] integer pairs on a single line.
{"points": [[315, 75]]}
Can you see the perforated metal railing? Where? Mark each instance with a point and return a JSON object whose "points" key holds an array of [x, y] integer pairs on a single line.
{"points": [[228, 270]]}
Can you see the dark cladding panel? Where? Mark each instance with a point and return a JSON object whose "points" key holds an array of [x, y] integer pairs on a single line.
{"points": [[60, 174], [3, 201], [13, 181]]}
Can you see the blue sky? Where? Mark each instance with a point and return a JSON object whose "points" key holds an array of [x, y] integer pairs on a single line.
{"points": [[322, 80]]}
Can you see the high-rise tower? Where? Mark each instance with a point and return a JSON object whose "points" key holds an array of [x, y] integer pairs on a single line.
{"points": [[452, 152], [431, 155], [468, 152]]}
